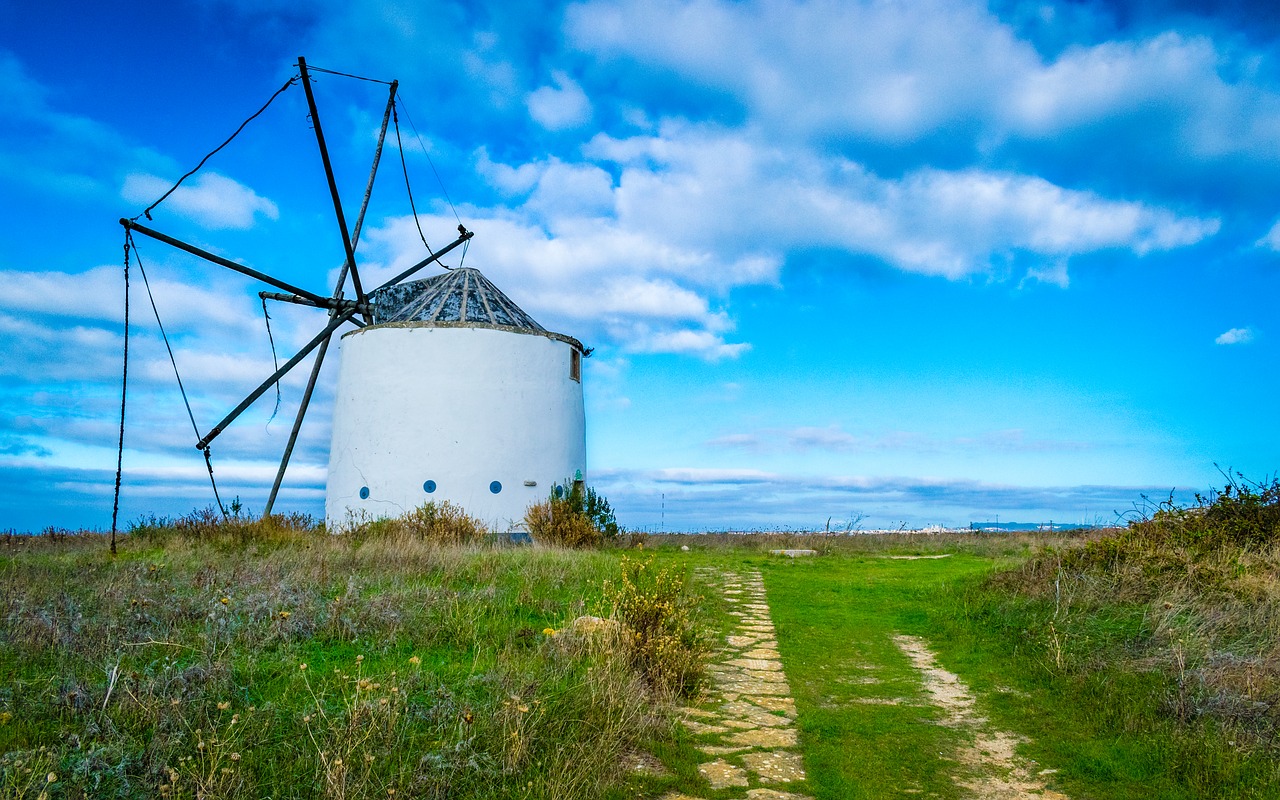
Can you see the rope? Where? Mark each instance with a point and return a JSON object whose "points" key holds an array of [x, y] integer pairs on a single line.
{"points": [[163, 197], [275, 361], [425, 152], [314, 68], [174, 361], [405, 168], [124, 387]]}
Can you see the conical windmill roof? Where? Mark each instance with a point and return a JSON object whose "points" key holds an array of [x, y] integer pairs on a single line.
{"points": [[460, 295]]}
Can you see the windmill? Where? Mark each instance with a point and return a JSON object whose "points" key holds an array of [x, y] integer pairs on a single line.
{"points": [[341, 310]]}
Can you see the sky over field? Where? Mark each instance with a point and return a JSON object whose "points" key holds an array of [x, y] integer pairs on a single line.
{"points": [[842, 263]]}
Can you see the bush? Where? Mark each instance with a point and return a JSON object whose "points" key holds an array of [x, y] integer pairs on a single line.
{"points": [[578, 519], [663, 640], [555, 522], [441, 523]]}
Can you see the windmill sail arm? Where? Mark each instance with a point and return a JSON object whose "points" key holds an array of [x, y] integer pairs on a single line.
{"points": [[463, 235], [347, 246], [334, 305], [224, 262], [277, 375]]}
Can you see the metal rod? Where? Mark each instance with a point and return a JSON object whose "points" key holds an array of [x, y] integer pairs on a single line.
{"points": [[465, 235], [223, 262], [297, 426], [333, 184], [337, 294], [368, 189], [333, 306], [290, 364]]}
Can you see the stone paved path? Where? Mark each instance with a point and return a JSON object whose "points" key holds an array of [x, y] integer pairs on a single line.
{"points": [[747, 730]]}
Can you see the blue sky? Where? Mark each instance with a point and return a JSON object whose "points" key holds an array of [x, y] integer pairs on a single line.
{"points": [[920, 263]]}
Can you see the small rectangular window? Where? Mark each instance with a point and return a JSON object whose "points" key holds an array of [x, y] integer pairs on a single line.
{"points": [[575, 364]]}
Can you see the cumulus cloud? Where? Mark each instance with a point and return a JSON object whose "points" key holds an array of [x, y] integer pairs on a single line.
{"points": [[953, 75], [595, 279], [561, 106], [1271, 239], [702, 185], [98, 294], [213, 201], [639, 241], [1235, 336]]}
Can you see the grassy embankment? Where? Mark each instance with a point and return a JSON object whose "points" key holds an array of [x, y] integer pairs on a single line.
{"points": [[1135, 663], [243, 660], [1140, 662]]}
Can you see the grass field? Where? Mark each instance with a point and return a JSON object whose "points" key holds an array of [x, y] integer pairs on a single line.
{"points": [[176, 669]]}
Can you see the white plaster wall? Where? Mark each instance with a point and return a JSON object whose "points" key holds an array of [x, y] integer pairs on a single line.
{"points": [[460, 406]]}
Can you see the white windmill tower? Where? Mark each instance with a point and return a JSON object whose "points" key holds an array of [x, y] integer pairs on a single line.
{"points": [[452, 392], [447, 390]]}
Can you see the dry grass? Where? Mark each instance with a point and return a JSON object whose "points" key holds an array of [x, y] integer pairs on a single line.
{"points": [[175, 669], [1205, 584]]}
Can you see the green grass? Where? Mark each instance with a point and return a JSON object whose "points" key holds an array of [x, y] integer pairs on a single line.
{"points": [[1104, 726], [131, 677], [175, 670]]}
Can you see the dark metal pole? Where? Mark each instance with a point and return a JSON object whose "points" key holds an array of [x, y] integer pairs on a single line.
{"points": [[333, 185], [466, 234], [319, 300], [280, 373], [332, 305], [337, 294]]}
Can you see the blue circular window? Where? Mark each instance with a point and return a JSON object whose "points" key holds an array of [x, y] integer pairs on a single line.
{"points": [[559, 490], [495, 487], [364, 492], [429, 487]]}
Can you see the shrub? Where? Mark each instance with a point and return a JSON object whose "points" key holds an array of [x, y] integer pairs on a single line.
{"points": [[555, 522], [577, 519], [443, 523], [662, 638]]}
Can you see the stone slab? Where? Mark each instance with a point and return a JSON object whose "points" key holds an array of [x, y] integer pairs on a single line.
{"points": [[776, 766], [721, 774]]}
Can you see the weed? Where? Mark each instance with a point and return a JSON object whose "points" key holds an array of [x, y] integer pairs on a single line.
{"points": [[661, 635]]}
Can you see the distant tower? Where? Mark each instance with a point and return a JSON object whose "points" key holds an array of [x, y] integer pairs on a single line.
{"points": [[454, 393]]}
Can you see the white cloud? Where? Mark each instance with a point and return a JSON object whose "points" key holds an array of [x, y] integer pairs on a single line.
{"points": [[593, 278], [829, 438], [702, 186], [888, 70], [897, 73], [1053, 273], [211, 200], [1235, 336], [98, 294], [1271, 239], [559, 107]]}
